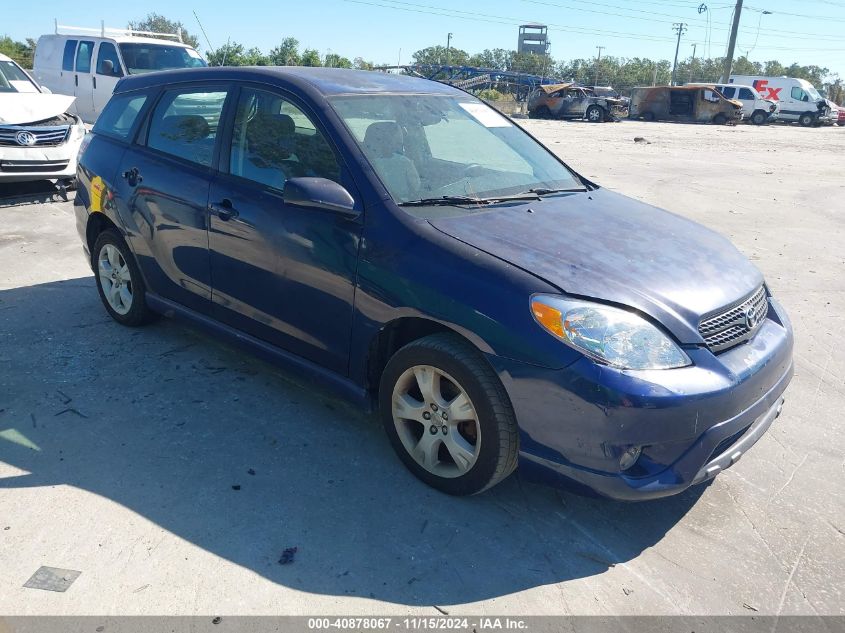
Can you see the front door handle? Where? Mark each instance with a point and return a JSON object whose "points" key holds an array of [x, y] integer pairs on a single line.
{"points": [[223, 210], [76, 80], [133, 176]]}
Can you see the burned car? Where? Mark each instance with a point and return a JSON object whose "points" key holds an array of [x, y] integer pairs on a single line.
{"points": [[39, 138], [694, 104], [571, 101]]}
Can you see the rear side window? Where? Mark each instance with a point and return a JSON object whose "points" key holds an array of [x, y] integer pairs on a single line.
{"points": [[728, 91], [745, 93], [120, 114], [70, 51], [108, 53], [83, 56], [184, 124]]}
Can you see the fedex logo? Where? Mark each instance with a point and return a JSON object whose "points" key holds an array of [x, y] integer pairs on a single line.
{"points": [[761, 86]]}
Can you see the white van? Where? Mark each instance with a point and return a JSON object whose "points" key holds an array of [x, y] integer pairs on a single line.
{"points": [[798, 99], [87, 63], [754, 107]]}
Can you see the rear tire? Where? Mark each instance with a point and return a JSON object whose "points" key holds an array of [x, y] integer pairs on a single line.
{"points": [[448, 415], [119, 281], [807, 119], [542, 112]]}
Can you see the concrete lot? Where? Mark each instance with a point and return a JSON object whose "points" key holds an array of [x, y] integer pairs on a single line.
{"points": [[119, 448]]}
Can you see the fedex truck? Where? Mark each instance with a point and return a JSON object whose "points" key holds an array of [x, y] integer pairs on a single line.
{"points": [[798, 99]]}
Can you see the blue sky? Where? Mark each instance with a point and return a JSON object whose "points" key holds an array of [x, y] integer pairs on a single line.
{"points": [[808, 31]]}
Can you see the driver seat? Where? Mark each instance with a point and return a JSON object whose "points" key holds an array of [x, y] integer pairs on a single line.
{"points": [[385, 147]]}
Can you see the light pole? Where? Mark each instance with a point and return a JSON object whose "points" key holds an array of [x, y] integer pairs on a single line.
{"points": [[692, 63], [598, 62], [448, 47], [729, 58], [680, 27]]}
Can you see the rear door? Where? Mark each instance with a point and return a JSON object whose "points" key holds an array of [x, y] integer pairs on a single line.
{"points": [[281, 273], [83, 87], [163, 186], [107, 72]]}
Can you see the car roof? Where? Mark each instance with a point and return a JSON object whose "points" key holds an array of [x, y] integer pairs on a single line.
{"points": [[115, 37], [325, 81]]}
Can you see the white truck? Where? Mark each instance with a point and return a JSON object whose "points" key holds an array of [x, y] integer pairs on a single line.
{"points": [[88, 62], [754, 107], [798, 99]]}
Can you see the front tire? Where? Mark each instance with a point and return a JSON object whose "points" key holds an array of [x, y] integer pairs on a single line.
{"points": [[448, 416], [119, 281], [759, 117], [806, 120], [720, 119], [595, 114]]}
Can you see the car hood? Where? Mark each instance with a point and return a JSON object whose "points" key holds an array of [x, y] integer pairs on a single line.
{"points": [[19, 108], [606, 246]]}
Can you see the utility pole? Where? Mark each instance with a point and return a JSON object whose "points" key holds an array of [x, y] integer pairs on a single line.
{"points": [[680, 27], [692, 63], [729, 59], [448, 47], [598, 62]]}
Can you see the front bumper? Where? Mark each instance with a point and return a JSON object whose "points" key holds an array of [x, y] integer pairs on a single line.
{"points": [[692, 423], [19, 164]]}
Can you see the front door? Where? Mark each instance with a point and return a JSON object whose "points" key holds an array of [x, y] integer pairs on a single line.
{"points": [[83, 88], [163, 183], [281, 273], [107, 72]]}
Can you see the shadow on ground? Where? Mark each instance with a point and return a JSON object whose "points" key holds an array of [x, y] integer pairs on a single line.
{"points": [[31, 192], [165, 421]]}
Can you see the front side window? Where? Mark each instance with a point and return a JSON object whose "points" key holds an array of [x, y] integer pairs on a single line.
{"points": [[745, 93], [184, 124], [273, 140], [146, 58], [119, 115], [107, 62], [69, 54], [798, 94], [709, 95], [429, 146], [14, 79], [83, 56]]}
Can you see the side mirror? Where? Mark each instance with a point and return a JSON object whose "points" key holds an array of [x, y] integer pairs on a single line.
{"points": [[319, 193]]}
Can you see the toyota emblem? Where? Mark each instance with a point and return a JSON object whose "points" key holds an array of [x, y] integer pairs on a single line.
{"points": [[25, 138], [751, 318]]}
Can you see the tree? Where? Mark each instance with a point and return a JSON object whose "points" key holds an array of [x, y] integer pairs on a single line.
{"points": [[361, 64], [19, 51], [310, 57], [159, 24], [286, 53], [230, 54], [334, 60], [437, 55]]}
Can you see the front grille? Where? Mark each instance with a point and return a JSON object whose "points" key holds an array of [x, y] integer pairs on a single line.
{"points": [[44, 136], [32, 166], [735, 325]]}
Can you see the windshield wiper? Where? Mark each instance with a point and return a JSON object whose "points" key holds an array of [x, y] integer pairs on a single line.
{"points": [[541, 191], [455, 200]]}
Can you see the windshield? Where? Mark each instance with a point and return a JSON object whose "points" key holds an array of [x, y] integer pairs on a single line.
{"points": [[814, 94], [14, 79], [431, 146], [146, 58]]}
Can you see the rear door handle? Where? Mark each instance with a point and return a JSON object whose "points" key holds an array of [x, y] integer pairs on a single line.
{"points": [[76, 80], [223, 210], [133, 176]]}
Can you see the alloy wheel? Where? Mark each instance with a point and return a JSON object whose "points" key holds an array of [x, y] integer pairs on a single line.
{"points": [[115, 279], [436, 421]]}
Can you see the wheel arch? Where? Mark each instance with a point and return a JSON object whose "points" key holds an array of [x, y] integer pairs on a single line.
{"points": [[397, 333], [97, 223]]}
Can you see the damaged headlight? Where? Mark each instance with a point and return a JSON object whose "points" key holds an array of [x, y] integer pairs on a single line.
{"points": [[607, 334]]}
